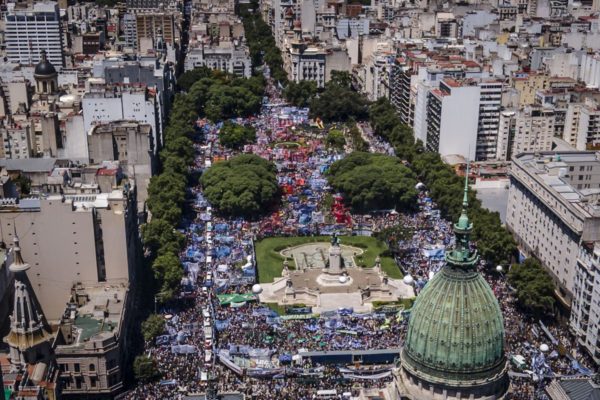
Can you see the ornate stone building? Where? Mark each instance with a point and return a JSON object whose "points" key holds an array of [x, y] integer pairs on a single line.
{"points": [[454, 347]]}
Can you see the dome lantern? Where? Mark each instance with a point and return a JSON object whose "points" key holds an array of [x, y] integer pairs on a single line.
{"points": [[455, 338]]}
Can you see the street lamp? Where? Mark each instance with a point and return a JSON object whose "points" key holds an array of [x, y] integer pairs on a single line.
{"points": [[257, 289]]}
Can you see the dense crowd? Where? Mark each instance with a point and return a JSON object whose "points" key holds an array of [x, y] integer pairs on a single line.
{"points": [[219, 259]]}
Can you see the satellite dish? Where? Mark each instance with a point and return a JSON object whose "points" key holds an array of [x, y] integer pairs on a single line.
{"points": [[408, 279], [544, 348], [499, 268]]}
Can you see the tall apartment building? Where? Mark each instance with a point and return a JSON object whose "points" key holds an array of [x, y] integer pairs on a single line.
{"points": [[530, 129], [452, 118], [490, 102], [83, 229], [552, 208], [582, 126], [130, 30], [400, 91], [416, 84], [29, 31], [585, 310], [589, 72]]}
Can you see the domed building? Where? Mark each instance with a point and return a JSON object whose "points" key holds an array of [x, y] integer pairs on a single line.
{"points": [[46, 77], [454, 347]]}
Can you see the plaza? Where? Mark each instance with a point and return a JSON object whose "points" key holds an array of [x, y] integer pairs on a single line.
{"points": [[327, 277]]}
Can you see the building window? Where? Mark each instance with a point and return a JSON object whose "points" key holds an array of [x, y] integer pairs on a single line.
{"points": [[77, 368], [92, 367], [93, 381]]}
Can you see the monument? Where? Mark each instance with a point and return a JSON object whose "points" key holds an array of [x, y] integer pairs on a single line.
{"points": [[327, 277]]}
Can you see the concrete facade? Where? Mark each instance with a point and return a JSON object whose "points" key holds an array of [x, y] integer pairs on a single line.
{"points": [[93, 351], [552, 208], [30, 31], [452, 119], [87, 238]]}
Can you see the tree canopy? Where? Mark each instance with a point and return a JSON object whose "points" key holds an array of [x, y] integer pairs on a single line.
{"points": [[374, 182], [223, 96], [145, 368], [236, 136], [153, 326], [261, 43], [300, 94], [244, 185], [338, 104], [335, 138], [188, 78], [167, 270], [535, 289], [494, 243]]}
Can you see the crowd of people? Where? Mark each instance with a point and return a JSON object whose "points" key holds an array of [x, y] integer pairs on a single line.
{"points": [[207, 339]]}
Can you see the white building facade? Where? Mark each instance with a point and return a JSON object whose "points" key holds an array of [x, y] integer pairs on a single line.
{"points": [[553, 208], [28, 32]]}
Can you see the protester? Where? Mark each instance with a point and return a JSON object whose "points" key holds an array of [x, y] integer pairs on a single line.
{"points": [[219, 259]]}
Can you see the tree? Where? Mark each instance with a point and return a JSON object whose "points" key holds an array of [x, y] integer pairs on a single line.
{"points": [[180, 147], [494, 242], [261, 43], [340, 78], [153, 326], [168, 273], [168, 186], [161, 237], [335, 138], [338, 104], [23, 184], [373, 182], [535, 289], [145, 368], [300, 94], [236, 136], [358, 143], [245, 185], [187, 79]]}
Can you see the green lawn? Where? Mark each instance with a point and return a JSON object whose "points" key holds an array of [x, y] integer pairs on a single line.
{"points": [[270, 262]]}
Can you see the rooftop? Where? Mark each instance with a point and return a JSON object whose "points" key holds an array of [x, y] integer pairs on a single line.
{"points": [[99, 314], [573, 389], [552, 169], [28, 164]]}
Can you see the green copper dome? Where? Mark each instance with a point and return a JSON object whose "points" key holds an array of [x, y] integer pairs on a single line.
{"points": [[456, 332]]}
